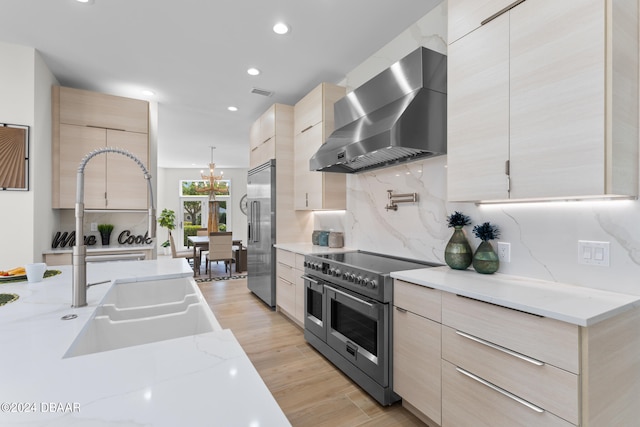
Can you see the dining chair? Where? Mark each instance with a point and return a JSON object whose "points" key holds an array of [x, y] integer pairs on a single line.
{"points": [[188, 254], [220, 249]]}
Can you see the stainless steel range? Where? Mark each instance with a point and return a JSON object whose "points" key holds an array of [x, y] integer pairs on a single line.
{"points": [[348, 298]]}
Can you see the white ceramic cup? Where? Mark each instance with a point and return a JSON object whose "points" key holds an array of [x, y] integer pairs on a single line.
{"points": [[35, 272]]}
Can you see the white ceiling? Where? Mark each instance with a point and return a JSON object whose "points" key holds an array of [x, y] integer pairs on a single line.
{"points": [[194, 55]]}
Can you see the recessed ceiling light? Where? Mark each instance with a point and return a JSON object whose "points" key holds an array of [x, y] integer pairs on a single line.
{"points": [[85, 1], [253, 71], [232, 108], [280, 28]]}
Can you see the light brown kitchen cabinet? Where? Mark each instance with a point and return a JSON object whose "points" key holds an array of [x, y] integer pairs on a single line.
{"points": [[543, 100], [111, 181], [290, 285], [263, 133], [313, 123], [86, 108], [417, 348], [501, 367]]}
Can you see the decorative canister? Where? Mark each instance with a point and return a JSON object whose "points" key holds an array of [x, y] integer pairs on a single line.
{"points": [[323, 240], [315, 237], [336, 239]]}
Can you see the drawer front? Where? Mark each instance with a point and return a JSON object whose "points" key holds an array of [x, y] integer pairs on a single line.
{"points": [[544, 385], [416, 362], [285, 272], [286, 296], [299, 264], [417, 299], [286, 257], [548, 340], [468, 402]]}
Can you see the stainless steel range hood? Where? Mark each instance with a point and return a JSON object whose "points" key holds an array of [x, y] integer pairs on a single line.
{"points": [[397, 116]]}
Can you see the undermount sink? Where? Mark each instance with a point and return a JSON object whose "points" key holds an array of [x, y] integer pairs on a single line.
{"points": [[144, 312]]}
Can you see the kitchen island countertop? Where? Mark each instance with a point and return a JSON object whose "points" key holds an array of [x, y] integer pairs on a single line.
{"points": [[204, 379]]}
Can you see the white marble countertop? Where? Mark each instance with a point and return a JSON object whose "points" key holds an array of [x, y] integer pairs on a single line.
{"points": [[100, 248], [569, 303], [200, 380], [308, 248]]}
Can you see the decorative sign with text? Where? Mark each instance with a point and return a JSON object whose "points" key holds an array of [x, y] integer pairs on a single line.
{"points": [[68, 239]]}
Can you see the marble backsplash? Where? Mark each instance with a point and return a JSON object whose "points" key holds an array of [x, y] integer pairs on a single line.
{"points": [[543, 236]]}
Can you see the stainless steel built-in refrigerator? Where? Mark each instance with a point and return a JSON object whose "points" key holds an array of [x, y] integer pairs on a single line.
{"points": [[261, 255]]}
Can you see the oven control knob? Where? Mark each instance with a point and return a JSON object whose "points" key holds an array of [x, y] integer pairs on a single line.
{"points": [[332, 271], [359, 280], [366, 282], [306, 264], [374, 284], [316, 266], [352, 277], [337, 272]]}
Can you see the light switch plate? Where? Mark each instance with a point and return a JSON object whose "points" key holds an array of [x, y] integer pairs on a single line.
{"points": [[593, 253], [94, 226]]}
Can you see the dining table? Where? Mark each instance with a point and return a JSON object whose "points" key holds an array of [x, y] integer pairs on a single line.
{"points": [[202, 242]]}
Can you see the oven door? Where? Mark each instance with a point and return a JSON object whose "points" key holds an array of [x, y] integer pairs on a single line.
{"points": [[358, 329], [315, 311]]}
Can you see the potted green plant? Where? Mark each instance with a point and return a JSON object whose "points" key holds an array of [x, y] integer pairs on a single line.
{"points": [[167, 219], [458, 254], [485, 259], [105, 233]]}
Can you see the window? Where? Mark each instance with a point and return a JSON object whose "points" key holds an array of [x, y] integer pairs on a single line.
{"points": [[199, 188]]}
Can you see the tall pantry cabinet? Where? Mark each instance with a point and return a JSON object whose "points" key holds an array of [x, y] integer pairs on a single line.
{"points": [[313, 124], [84, 121], [542, 99]]}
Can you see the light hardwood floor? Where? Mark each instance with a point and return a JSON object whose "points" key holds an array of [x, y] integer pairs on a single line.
{"points": [[309, 389]]}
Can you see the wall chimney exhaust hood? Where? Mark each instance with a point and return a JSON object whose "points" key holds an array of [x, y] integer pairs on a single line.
{"points": [[397, 116]]}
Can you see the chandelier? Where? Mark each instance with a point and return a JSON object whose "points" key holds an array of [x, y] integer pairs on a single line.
{"points": [[211, 178]]}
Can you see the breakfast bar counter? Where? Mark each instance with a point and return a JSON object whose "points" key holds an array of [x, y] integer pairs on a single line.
{"points": [[203, 379]]}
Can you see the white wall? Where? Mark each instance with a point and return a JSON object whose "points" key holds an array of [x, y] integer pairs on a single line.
{"points": [[25, 99], [168, 196], [543, 236]]}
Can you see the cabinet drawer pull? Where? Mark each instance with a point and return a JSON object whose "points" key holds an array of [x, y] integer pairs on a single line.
{"points": [[501, 391], [506, 9], [502, 349], [306, 129], [401, 310]]}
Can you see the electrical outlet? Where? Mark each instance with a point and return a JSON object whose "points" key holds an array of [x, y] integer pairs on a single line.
{"points": [[593, 253], [504, 251], [94, 226]]}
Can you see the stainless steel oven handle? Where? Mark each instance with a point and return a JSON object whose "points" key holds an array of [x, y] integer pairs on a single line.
{"points": [[349, 296], [312, 280]]}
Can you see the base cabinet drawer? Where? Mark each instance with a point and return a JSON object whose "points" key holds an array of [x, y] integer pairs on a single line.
{"points": [[549, 340], [474, 402], [286, 295], [544, 385]]}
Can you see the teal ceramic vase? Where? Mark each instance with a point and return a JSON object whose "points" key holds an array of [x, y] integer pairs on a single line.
{"points": [[485, 259], [458, 254]]}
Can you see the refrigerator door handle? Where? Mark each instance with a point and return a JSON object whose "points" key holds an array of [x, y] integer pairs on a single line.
{"points": [[256, 217]]}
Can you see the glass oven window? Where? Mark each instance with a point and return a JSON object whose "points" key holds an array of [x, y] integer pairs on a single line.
{"points": [[314, 304], [358, 328]]}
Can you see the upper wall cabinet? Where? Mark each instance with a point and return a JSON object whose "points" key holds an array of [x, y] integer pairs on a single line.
{"points": [[543, 100], [262, 136], [84, 108], [85, 121], [313, 123]]}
